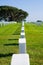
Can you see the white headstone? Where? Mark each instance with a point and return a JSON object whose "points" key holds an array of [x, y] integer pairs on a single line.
{"points": [[22, 23], [22, 28], [22, 45], [20, 59], [1, 24], [22, 33]]}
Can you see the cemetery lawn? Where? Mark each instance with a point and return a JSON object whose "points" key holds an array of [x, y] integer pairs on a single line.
{"points": [[9, 35], [34, 39]]}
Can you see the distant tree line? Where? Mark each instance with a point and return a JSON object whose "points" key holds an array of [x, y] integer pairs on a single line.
{"points": [[9, 13], [39, 21]]}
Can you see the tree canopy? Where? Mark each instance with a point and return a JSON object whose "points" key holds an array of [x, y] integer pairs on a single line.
{"points": [[12, 13]]}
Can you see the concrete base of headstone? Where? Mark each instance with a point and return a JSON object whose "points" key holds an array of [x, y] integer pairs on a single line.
{"points": [[20, 59], [22, 36], [22, 30]]}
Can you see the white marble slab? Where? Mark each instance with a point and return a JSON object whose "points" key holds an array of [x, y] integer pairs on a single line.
{"points": [[22, 33], [22, 40], [20, 59]]}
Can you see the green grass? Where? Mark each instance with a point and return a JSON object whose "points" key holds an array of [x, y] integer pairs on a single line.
{"points": [[9, 36], [34, 39]]}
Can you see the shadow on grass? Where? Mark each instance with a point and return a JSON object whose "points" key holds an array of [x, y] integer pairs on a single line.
{"points": [[16, 33], [14, 44], [5, 55], [12, 39]]}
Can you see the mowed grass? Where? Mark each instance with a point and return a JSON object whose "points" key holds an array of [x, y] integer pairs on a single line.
{"points": [[9, 35], [34, 39]]}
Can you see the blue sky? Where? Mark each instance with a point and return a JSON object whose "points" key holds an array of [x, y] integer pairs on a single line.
{"points": [[33, 7]]}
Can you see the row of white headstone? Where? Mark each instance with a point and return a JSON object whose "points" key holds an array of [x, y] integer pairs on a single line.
{"points": [[22, 41], [3, 23], [22, 58]]}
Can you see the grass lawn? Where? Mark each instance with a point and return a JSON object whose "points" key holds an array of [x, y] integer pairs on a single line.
{"points": [[9, 35], [34, 38]]}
